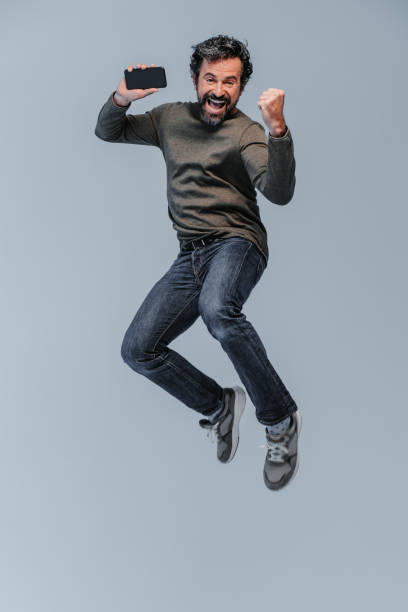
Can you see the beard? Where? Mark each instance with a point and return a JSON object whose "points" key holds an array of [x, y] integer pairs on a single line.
{"points": [[214, 119]]}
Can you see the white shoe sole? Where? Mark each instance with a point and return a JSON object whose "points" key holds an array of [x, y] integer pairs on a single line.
{"points": [[239, 407], [299, 427]]}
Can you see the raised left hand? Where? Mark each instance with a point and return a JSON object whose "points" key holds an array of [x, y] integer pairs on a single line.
{"points": [[271, 104]]}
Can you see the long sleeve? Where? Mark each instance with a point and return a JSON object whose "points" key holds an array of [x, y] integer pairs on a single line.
{"points": [[114, 125], [270, 163]]}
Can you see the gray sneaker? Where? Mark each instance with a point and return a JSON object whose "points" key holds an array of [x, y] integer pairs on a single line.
{"points": [[226, 426], [282, 461]]}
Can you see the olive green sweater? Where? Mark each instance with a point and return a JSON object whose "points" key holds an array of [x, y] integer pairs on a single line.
{"points": [[212, 171]]}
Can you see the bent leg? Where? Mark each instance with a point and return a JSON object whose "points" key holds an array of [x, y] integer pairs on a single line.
{"points": [[170, 308], [233, 272]]}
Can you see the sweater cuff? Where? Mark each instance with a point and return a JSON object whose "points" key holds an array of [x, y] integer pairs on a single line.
{"points": [[284, 136]]}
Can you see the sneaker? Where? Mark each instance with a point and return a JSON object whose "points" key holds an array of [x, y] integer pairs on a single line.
{"points": [[282, 461], [226, 426]]}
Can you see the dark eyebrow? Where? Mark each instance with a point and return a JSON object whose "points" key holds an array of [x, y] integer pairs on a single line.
{"points": [[228, 77]]}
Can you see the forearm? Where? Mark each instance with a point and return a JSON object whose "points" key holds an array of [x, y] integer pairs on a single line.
{"points": [[278, 182], [111, 120], [114, 125]]}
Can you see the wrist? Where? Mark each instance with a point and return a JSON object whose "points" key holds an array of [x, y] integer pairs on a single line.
{"points": [[278, 130], [119, 100]]}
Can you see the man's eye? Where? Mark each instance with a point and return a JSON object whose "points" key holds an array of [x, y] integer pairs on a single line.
{"points": [[229, 83]]}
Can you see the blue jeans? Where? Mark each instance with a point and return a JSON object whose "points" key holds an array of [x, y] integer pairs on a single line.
{"points": [[213, 281]]}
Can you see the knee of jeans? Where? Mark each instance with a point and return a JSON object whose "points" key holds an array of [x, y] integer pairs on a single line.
{"points": [[218, 317], [125, 350], [133, 353]]}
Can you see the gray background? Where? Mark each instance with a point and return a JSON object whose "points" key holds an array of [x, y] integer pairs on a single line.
{"points": [[111, 495]]}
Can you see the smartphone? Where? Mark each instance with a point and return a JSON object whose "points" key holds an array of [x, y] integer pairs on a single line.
{"points": [[140, 78]]}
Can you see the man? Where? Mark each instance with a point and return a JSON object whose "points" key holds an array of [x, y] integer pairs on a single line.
{"points": [[215, 157]]}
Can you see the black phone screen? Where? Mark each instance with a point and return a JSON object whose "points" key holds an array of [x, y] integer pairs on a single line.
{"points": [[140, 78]]}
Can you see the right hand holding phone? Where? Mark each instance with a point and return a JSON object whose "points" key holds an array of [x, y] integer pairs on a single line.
{"points": [[126, 95]]}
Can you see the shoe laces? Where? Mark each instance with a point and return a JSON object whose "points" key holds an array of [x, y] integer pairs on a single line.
{"points": [[213, 432], [277, 449]]}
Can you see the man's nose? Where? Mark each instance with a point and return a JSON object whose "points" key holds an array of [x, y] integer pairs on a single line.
{"points": [[219, 90]]}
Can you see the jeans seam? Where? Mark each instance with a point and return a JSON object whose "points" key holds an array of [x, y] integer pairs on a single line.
{"points": [[167, 362], [250, 339], [179, 371], [175, 319], [239, 270], [172, 365], [257, 268]]}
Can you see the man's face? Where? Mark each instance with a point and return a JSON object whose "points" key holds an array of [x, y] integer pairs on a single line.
{"points": [[219, 80]]}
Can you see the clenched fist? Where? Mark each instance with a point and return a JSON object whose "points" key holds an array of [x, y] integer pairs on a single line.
{"points": [[271, 105]]}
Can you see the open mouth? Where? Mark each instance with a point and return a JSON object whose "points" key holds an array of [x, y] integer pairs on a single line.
{"points": [[215, 106]]}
